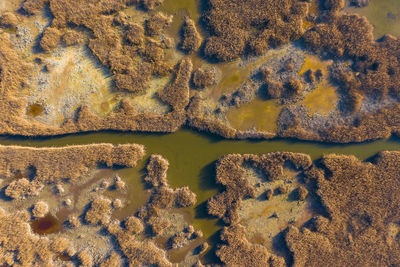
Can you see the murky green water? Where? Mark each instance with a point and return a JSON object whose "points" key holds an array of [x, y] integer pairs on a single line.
{"points": [[192, 157], [191, 7]]}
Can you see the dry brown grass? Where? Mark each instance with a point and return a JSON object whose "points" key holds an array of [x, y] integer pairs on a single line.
{"points": [[379, 124], [14, 73], [113, 260], [362, 201], [237, 251], [22, 188], [150, 4], [134, 57], [134, 245], [85, 258], [99, 211], [50, 39], [19, 247], [202, 78], [141, 251], [134, 34], [40, 209], [8, 20], [191, 39], [76, 160], [123, 58], [33, 6], [252, 26], [71, 38], [162, 195], [177, 93], [157, 24], [133, 225], [157, 171], [351, 36]]}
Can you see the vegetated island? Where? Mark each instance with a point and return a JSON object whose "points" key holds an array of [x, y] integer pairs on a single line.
{"points": [[278, 209], [313, 72], [345, 211], [60, 209]]}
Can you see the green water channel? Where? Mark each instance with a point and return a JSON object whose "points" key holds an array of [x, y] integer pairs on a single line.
{"points": [[192, 157]]}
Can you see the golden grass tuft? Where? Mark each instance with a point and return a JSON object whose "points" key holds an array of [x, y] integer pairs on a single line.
{"points": [[40, 209], [8, 20], [99, 211], [50, 39]]}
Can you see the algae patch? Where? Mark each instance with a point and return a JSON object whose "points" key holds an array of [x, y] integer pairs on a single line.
{"points": [[258, 114], [323, 99], [35, 110]]}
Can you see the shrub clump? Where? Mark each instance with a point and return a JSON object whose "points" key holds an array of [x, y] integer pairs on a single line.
{"points": [[8, 20], [157, 171], [158, 225], [113, 260], [157, 23], [301, 193], [182, 238], [184, 197], [85, 258], [33, 6], [50, 39], [99, 211], [150, 4], [191, 39], [177, 93], [22, 188], [134, 34], [60, 245], [40, 209], [202, 78], [19, 245], [133, 225], [238, 251]]}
